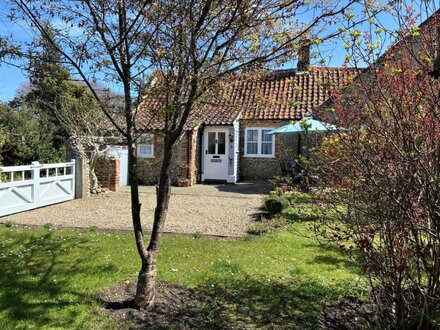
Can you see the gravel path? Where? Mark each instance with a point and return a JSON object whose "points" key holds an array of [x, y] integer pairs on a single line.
{"points": [[212, 215]]}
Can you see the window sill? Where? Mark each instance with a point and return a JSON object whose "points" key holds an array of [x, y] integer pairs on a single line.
{"points": [[148, 157], [260, 156]]}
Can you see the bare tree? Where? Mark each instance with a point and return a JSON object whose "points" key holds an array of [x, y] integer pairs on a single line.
{"points": [[190, 46], [89, 130]]}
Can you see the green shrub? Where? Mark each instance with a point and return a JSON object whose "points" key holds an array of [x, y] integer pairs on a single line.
{"points": [[275, 204], [48, 226], [302, 213], [276, 192], [266, 226], [93, 229], [291, 214], [304, 198], [247, 237], [197, 235], [9, 224], [290, 196]]}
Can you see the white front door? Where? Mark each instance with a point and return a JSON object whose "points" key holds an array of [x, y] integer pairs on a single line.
{"points": [[215, 153]]}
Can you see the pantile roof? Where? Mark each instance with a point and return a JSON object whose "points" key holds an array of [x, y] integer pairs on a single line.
{"points": [[282, 95]]}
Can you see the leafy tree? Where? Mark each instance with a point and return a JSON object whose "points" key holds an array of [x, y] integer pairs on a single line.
{"points": [[192, 46], [49, 82], [384, 168], [26, 138], [56, 109]]}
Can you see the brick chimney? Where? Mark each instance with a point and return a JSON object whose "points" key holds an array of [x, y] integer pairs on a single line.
{"points": [[304, 55]]}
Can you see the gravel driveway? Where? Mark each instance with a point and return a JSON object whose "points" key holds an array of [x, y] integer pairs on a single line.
{"points": [[191, 210]]}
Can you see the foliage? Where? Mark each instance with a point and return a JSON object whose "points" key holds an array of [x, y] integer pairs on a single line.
{"points": [[300, 197], [197, 235], [385, 168], [49, 278], [27, 137], [49, 81], [8, 224], [276, 192], [265, 226], [302, 213], [275, 204], [282, 181], [36, 120]]}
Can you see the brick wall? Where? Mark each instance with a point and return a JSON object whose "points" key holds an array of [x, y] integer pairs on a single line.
{"points": [[149, 168], [107, 170], [261, 169], [192, 149], [187, 153]]}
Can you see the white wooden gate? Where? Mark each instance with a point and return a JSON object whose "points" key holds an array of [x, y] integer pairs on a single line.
{"points": [[28, 187]]}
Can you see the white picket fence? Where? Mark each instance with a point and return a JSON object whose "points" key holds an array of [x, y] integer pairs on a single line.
{"points": [[27, 187]]}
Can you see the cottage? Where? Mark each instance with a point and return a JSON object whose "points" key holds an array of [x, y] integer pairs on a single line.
{"points": [[225, 138]]}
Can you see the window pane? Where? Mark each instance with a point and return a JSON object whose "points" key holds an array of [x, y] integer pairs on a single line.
{"points": [[266, 137], [142, 149], [221, 146], [145, 139], [148, 149], [211, 143], [266, 148], [252, 148], [145, 145], [252, 135]]}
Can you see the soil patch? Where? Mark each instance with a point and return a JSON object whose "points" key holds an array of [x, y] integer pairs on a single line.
{"points": [[176, 307], [349, 313]]}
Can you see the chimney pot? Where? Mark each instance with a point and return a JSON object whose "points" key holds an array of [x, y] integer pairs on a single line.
{"points": [[304, 55]]}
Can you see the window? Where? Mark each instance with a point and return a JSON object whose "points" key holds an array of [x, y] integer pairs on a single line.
{"points": [[221, 143], [145, 146], [216, 140], [258, 143], [211, 143]]}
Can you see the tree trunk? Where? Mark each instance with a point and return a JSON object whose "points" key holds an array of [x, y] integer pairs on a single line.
{"points": [[141, 299], [94, 184], [146, 287]]}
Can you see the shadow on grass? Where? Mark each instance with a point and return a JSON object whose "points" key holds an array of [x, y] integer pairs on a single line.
{"points": [[338, 260], [256, 303], [35, 277]]}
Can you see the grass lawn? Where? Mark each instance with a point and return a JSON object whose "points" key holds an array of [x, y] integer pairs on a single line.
{"points": [[49, 277]]}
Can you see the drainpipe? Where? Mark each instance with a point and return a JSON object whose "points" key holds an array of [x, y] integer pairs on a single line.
{"points": [[200, 172]]}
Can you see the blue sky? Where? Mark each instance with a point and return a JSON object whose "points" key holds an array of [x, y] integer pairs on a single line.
{"points": [[11, 78]]}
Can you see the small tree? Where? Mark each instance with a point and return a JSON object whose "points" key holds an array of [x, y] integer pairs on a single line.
{"points": [[385, 171], [89, 131]]}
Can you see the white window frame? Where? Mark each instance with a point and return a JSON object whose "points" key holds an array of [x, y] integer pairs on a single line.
{"points": [[145, 155], [260, 142]]}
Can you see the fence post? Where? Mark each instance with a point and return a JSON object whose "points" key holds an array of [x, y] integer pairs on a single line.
{"points": [[36, 166], [74, 176], [81, 178]]}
